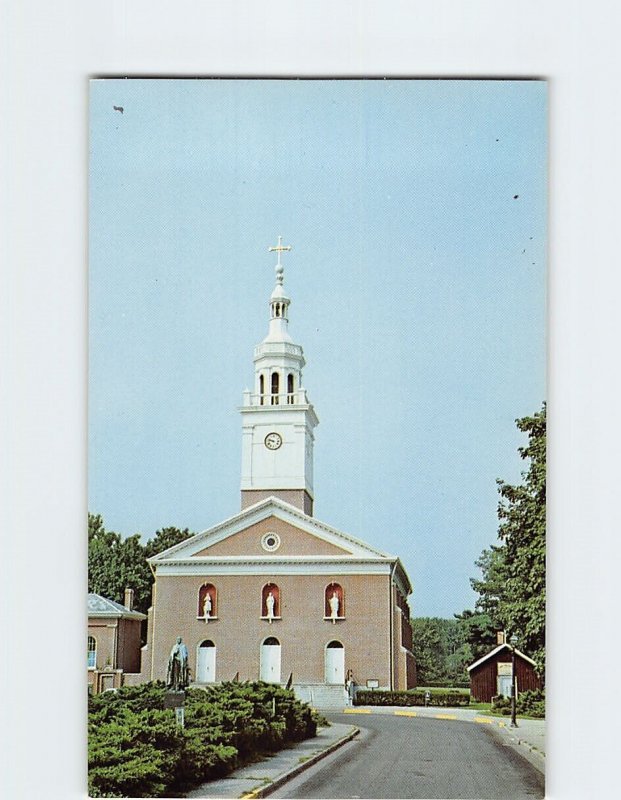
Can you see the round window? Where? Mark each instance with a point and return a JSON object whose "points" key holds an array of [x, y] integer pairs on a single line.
{"points": [[270, 542]]}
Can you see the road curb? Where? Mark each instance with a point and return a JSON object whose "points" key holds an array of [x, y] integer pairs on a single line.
{"points": [[265, 791], [534, 756]]}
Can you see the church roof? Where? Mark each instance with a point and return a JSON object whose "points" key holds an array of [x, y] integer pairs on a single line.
{"points": [[99, 606], [352, 552]]}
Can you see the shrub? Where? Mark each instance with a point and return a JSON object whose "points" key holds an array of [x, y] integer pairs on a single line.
{"points": [[413, 697], [136, 748], [133, 754], [530, 704]]}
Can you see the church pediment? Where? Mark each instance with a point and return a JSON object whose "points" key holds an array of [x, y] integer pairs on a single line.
{"points": [[271, 529], [273, 536]]}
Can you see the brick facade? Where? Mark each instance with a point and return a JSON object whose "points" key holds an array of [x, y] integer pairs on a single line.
{"points": [[302, 631], [297, 497], [374, 629], [116, 630]]}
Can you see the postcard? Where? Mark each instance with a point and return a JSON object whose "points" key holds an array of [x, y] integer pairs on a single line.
{"points": [[317, 427]]}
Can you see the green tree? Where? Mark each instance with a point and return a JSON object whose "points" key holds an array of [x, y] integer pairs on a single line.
{"points": [[491, 587], [441, 651], [512, 590], [522, 515], [104, 559], [478, 632], [165, 538], [428, 650], [115, 564]]}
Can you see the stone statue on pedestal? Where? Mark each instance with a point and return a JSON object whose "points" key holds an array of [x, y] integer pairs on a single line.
{"points": [[178, 673]]}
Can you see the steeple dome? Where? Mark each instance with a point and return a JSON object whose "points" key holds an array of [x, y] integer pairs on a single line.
{"points": [[279, 302]]}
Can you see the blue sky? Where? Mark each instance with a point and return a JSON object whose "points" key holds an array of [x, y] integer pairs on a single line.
{"points": [[417, 280]]}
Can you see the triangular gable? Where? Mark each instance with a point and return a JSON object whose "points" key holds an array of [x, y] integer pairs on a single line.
{"points": [[273, 535], [269, 513], [497, 650]]}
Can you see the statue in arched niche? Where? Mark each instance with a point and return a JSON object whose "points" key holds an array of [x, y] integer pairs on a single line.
{"points": [[207, 606], [269, 605], [334, 604]]}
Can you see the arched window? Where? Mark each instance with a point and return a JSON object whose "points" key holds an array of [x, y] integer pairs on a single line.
{"points": [[270, 602], [275, 388], [92, 652], [207, 602], [290, 388], [334, 602], [261, 387]]}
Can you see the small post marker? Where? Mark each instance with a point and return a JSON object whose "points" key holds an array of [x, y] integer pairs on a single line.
{"points": [[176, 700]]}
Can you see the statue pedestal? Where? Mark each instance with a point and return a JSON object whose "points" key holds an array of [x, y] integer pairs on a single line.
{"points": [[176, 700]]}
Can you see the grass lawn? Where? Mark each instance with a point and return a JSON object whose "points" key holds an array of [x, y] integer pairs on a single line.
{"points": [[481, 706]]}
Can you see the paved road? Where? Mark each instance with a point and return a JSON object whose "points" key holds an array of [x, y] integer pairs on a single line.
{"points": [[406, 757]]}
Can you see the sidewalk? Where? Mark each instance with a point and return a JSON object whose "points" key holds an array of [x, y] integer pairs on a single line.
{"points": [[253, 780], [530, 736]]}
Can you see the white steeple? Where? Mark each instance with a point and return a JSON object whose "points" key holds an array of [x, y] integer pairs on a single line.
{"points": [[278, 420]]}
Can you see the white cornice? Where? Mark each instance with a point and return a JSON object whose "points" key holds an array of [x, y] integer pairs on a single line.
{"points": [[247, 566]]}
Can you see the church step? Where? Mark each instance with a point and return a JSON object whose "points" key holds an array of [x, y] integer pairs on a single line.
{"points": [[327, 697]]}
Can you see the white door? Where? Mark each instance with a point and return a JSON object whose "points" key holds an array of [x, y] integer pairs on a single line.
{"points": [[504, 685], [335, 663], [270, 661], [206, 663]]}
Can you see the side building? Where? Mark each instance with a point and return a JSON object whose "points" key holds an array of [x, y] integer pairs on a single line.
{"points": [[113, 642]]}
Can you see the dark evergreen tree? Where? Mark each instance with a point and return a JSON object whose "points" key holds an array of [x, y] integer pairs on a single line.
{"points": [[115, 564], [512, 590]]}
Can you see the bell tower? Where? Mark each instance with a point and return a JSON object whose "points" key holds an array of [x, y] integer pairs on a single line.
{"points": [[277, 418]]}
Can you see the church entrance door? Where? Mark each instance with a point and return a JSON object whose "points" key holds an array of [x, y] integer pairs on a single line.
{"points": [[270, 661], [206, 662], [335, 663]]}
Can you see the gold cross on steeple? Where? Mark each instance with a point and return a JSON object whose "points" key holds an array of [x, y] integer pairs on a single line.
{"points": [[280, 248]]}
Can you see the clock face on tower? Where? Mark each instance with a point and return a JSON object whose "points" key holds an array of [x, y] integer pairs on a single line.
{"points": [[273, 441]]}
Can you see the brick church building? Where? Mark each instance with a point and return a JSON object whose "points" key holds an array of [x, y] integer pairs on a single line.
{"points": [[272, 592]]}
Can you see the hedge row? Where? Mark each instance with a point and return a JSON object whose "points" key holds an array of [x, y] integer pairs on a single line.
{"points": [[443, 684], [136, 749], [412, 697]]}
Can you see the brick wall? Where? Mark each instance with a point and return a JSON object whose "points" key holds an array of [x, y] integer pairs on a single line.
{"points": [[104, 631], [302, 632], [294, 542], [295, 497]]}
